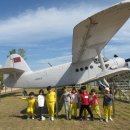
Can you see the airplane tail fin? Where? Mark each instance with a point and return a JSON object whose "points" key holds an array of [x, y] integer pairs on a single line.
{"points": [[15, 66], [15, 63]]}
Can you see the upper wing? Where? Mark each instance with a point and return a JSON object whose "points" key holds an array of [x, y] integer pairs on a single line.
{"points": [[95, 32]]}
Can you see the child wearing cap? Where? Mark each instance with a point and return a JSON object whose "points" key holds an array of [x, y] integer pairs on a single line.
{"points": [[31, 105], [107, 104], [94, 103]]}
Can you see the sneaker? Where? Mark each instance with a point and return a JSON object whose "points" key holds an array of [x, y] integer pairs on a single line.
{"points": [[80, 119], [87, 119], [52, 118], [92, 119], [28, 118], [101, 119], [42, 118], [67, 118], [110, 119], [106, 120]]}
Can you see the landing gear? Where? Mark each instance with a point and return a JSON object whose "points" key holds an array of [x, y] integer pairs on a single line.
{"points": [[25, 92]]}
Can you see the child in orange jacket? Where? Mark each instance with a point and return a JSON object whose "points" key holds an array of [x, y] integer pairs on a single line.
{"points": [[94, 103]]}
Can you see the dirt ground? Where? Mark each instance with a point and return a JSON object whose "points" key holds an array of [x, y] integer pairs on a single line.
{"points": [[12, 117]]}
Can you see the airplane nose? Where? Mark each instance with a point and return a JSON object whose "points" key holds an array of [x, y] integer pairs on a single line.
{"points": [[120, 62]]}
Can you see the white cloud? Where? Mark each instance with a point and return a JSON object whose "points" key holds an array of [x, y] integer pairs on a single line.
{"points": [[55, 61], [120, 43], [116, 48], [43, 24], [43, 63], [124, 33]]}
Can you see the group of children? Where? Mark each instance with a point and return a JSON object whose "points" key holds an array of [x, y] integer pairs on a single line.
{"points": [[33, 103], [72, 100], [86, 101]]}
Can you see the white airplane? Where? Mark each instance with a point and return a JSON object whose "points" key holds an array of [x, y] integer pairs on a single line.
{"points": [[89, 38]]}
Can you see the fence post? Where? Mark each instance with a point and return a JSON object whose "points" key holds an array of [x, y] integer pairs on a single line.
{"points": [[113, 103], [56, 102]]}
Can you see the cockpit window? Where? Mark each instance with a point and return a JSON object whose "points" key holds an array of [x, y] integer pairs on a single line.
{"points": [[96, 60], [105, 59]]}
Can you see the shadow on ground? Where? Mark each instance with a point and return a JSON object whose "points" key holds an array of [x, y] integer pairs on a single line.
{"points": [[10, 94]]}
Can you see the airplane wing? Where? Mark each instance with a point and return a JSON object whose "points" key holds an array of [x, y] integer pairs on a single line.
{"points": [[110, 73], [95, 32]]}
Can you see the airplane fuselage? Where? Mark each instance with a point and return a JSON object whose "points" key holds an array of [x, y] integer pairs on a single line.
{"points": [[90, 36], [61, 75]]}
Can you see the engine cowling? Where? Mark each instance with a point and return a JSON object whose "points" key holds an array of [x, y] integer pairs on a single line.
{"points": [[117, 63]]}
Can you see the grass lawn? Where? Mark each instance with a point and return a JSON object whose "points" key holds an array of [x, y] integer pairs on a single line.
{"points": [[11, 117]]}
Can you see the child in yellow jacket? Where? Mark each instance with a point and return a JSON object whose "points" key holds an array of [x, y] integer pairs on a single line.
{"points": [[31, 104], [51, 100], [73, 102]]}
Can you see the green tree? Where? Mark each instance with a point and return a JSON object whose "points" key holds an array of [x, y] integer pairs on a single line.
{"points": [[13, 51], [22, 53]]}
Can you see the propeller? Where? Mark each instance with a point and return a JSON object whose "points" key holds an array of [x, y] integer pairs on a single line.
{"points": [[127, 60], [115, 56]]}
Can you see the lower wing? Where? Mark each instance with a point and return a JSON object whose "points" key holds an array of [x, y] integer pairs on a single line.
{"points": [[110, 73]]}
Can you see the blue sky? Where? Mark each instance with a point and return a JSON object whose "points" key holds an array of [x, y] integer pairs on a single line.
{"points": [[44, 29]]}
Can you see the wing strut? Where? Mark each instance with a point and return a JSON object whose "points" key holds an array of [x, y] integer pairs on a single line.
{"points": [[101, 60], [106, 83], [103, 67]]}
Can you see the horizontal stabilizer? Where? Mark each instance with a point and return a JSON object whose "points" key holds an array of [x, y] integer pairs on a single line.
{"points": [[11, 70]]}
